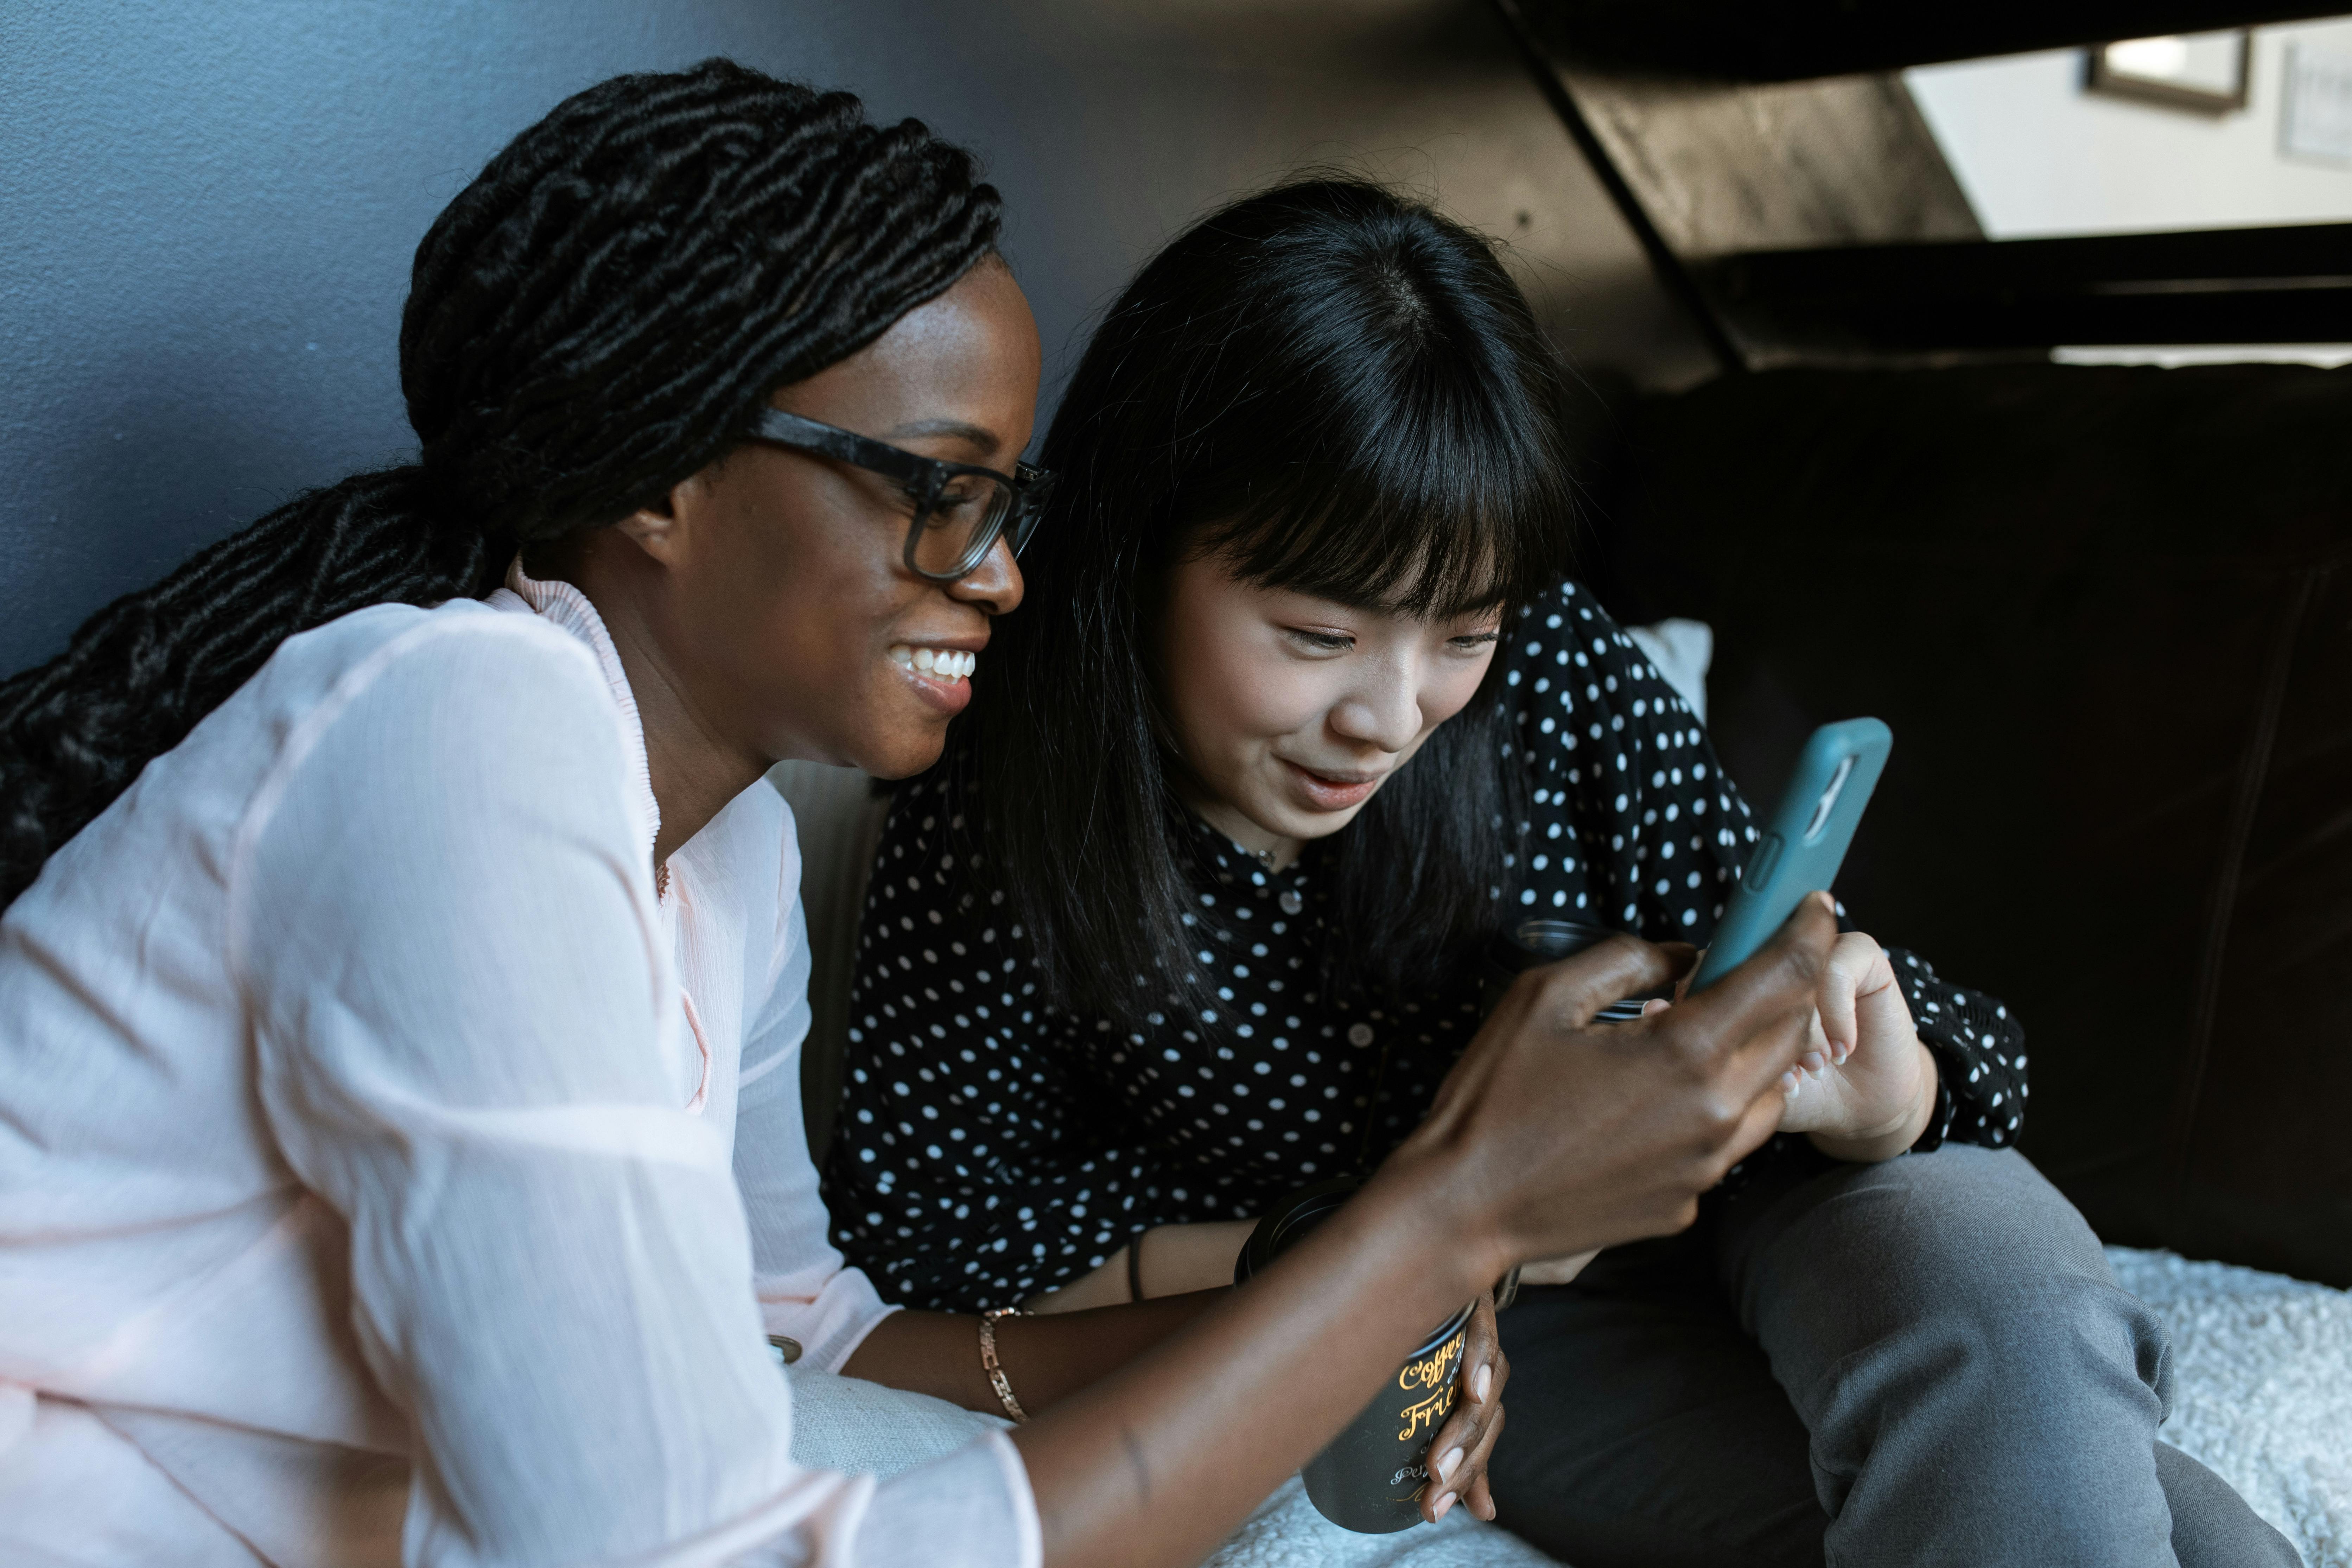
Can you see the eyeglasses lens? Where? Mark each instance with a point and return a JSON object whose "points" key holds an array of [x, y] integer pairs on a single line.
{"points": [[961, 525]]}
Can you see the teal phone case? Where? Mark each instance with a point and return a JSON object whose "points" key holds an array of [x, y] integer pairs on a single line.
{"points": [[1801, 850]]}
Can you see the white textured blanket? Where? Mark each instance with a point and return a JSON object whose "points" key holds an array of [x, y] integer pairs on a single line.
{"points": [[2264, 1395]]}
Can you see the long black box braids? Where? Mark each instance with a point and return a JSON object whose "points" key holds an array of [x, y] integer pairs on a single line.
{"points": [[597, 316]]}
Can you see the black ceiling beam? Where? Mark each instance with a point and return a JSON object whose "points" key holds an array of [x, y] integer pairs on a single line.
{"points": [[1673, 275], [1788, 40], [2282, 285]]}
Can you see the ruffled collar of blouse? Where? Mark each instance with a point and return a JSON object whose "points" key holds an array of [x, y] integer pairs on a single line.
{"points": [[562, 604]]}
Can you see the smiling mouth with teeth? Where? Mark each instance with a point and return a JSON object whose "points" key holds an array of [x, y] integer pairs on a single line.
{"points": [[939, 664]]}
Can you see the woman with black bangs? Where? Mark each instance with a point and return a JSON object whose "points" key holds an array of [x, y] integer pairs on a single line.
{"points": [[1183, 921]]}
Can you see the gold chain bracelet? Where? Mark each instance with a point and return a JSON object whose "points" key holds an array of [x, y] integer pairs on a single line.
{"points": [[989, 1363]]}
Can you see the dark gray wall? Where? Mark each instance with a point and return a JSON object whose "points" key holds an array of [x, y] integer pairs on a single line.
{"points": [[207, 211]]}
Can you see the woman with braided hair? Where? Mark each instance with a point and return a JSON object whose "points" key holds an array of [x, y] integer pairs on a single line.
{"points": [[404, 975]]}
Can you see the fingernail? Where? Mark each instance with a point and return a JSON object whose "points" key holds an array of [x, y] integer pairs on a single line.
{"points": [[1813, 1062], [1480, 1381], [1789, 1084], [1445, 1463], [1444, 1503]]}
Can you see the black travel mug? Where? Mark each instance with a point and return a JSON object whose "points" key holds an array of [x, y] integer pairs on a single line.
{"points": [[1522, 947], [1371, 1477]]}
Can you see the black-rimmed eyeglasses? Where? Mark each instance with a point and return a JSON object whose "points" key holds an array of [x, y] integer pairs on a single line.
{"points": [[961, 509]]}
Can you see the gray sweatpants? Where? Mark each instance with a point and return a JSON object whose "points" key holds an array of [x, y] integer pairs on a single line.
{"points": [[1921, 1362]]}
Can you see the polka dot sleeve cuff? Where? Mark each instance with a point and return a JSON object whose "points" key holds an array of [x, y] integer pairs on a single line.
{"points": [[1980, 1053]]}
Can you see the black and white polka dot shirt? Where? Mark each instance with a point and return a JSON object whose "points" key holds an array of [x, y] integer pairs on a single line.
{"points": [[990, 1147]]}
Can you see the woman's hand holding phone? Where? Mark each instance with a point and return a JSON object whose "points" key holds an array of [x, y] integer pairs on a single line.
{"points": [[1639, 1117], [1865, 1085]]}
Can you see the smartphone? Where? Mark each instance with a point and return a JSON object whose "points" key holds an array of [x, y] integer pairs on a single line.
{"points": [[1806, 843]]}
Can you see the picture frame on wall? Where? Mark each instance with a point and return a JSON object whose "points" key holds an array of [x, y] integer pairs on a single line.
{"points": [[2315, 121], [2204, 73]]}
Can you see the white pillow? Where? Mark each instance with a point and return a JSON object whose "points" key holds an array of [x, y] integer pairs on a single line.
{"points": [[1682, 650]]}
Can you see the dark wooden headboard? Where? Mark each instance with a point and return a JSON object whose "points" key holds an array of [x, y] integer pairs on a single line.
{"points": [[2108, 613]]}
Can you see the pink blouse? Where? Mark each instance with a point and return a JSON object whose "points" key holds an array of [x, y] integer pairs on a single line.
{"points": [[389, 1173]]}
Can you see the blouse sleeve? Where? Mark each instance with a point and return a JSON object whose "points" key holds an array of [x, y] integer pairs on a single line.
{"points": [[964, 1170], [441, 915], [1634, 825], [806, 1292]]}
